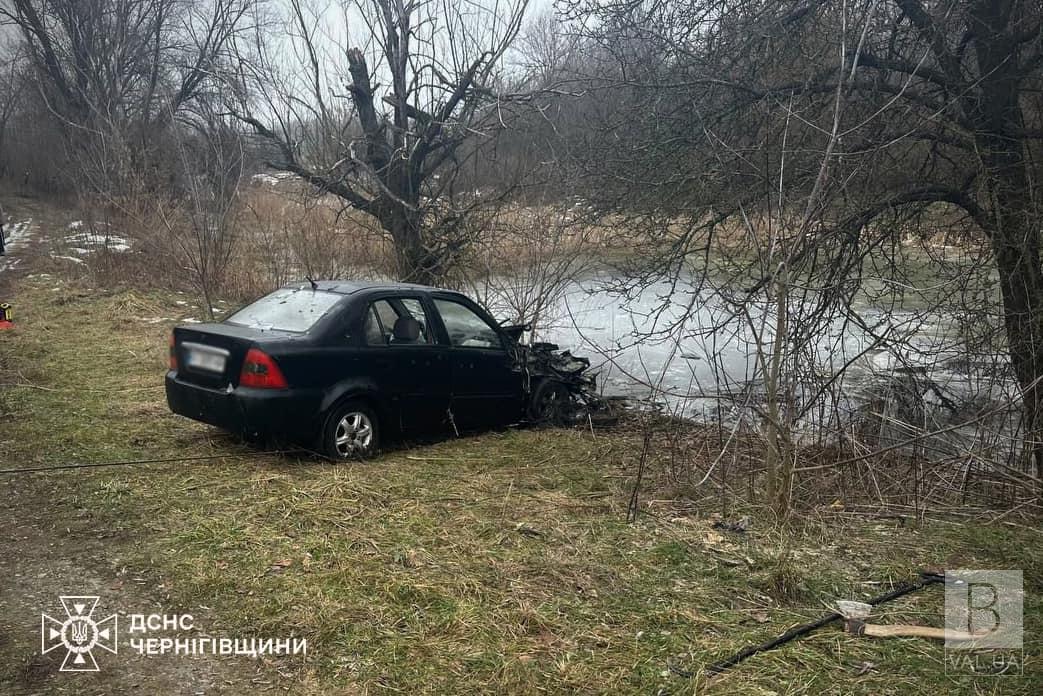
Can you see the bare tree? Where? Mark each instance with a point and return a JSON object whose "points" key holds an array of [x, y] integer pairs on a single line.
{"points": [[199, 212], [863, 119], [112, 74], [531, 256], [12, 82], [383, 122]]}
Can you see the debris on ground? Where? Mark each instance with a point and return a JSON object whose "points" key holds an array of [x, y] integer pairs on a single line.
{"points": [[740, 525]]}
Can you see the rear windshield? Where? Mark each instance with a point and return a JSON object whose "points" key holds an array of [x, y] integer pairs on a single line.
{"points": [[288, 309]]}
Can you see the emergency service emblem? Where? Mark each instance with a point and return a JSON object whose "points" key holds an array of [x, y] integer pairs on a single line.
{"points": [[79, 633]]}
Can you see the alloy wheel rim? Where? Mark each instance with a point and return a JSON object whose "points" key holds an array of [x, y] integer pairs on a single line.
{"points": [[354, 434]]}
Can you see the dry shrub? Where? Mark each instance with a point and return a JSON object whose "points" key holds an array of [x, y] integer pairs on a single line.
{"points": [[715, 467], [287, 235], [277, 236], [784, 579], [149, 263], [519, 260], [524, 260]]}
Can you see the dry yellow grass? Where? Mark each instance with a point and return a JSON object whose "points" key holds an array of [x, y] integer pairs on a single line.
{"points": [[492, 564]]}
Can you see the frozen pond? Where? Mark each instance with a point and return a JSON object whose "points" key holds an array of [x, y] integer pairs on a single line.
{"points": [[692, 352]]}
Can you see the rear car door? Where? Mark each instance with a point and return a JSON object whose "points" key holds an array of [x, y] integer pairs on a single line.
{"points": [[486, 381], [414, 374]]}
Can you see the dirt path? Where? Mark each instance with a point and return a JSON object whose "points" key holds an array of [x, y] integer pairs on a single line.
{"points": [[50, 547], [45, 558], [18, 232]]}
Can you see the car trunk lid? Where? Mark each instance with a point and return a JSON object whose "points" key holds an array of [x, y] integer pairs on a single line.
{"points": [[211, 355]]}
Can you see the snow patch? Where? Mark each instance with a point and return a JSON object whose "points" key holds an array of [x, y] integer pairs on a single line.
{"points": [[87, 242], [15, 235], [78, 224], [18, 231], [264, 179], [68, 258]]}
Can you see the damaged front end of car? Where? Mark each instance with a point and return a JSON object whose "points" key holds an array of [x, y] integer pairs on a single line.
{"points": [[561, 388]]}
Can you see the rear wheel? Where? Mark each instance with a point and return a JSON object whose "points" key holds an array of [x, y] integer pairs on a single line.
{"points": [[351, 432]]}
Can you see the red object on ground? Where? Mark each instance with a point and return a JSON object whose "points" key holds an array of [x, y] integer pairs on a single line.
{"points": [[6, 325]]}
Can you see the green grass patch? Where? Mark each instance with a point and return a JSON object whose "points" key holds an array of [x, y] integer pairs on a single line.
{"points": [[494, 563]]}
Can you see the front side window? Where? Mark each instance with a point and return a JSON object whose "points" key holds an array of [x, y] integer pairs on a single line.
{"points": [[383, 315], [287, 309], [466, 329]]}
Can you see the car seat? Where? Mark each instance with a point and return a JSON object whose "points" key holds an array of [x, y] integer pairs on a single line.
{"points": [[406, 331]]}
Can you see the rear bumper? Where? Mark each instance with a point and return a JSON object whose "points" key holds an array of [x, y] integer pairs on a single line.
{"points": [[244, 410]]}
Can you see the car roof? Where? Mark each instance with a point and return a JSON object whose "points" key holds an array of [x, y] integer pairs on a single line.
{"points": [[350, 287]]}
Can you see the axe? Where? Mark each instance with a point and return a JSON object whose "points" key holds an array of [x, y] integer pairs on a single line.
{"points": [[856, 613]]}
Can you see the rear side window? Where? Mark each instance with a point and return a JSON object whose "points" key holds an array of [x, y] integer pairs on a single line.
{"points": [[466, 329], [382, 315], [288, 309]]}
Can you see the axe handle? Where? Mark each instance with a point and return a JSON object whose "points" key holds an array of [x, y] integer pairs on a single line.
{"points": [[879, 631]]}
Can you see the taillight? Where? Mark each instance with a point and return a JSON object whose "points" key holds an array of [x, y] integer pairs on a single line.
{"points": [[261, 372], [173, 353]]}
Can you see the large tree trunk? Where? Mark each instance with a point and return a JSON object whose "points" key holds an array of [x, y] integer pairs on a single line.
{"points": [[414, 260], [1016, 249], [1014, 224]]}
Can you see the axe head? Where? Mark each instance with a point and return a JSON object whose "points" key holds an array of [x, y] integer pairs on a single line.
{"points": [[853, 610]]}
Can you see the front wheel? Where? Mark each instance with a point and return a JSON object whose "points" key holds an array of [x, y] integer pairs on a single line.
{"points": [[350, 432], [552, 404]]}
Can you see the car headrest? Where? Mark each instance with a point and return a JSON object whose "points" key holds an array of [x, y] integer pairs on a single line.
{"points": [[406, 329]]}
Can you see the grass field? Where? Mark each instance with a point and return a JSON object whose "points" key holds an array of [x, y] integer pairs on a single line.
{"points": [[493, 563]]}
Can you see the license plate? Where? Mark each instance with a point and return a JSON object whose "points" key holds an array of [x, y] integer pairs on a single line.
{"points": [[206, 358]]}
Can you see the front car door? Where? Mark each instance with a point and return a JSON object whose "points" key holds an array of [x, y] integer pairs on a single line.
{"points": [[414, 375], [486, 381]]}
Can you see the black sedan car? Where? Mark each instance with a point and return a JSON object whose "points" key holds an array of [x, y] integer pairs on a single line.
{"points": [[343, 364]]}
